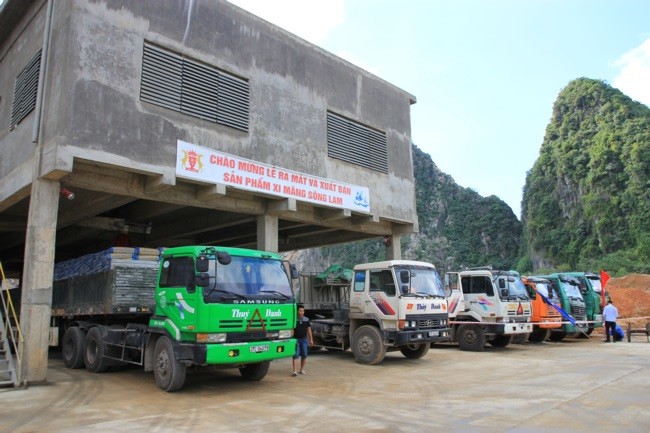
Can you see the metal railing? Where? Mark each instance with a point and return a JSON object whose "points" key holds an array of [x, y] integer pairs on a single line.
{"points": [[12, 333]]}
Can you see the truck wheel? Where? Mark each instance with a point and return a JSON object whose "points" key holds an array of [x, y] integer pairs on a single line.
{"points": [[470, 338], [557, 336], [414, 351], [255, 372], [538, 335], [368, 345], [501, 340], [168, 371], [94, 353], [73, 347]]}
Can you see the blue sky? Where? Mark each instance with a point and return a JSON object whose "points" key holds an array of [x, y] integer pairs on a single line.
{"points": [[485, 73]]}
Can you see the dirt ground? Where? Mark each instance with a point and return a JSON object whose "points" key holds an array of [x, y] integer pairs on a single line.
{"points": [[631, 296], [577, 385]]}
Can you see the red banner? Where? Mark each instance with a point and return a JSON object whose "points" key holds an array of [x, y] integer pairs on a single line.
{"points": [[604, 278]]}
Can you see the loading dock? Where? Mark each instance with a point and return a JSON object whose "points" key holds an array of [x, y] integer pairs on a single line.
{"points": [[95, 98]]}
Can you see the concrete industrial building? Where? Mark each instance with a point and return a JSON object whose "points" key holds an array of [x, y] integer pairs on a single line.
{"points": [[191, 122]]}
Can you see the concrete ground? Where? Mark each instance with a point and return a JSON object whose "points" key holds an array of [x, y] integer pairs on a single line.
{"points": [[573, 386]]}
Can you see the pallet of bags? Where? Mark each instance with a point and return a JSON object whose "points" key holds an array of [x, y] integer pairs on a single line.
{"points": [[142, 253]]}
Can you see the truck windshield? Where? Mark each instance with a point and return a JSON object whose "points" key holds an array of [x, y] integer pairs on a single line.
{"points": [[548, 290], [248, 278], [517, 288], [595, 284], [572, 289], [423, 281], [543, 288]]}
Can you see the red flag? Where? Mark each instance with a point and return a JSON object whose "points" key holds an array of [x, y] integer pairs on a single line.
{"points": [[604, 278]]}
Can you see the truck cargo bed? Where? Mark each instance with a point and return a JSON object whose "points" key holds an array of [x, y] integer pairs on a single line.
{"points": [[127, 288]]}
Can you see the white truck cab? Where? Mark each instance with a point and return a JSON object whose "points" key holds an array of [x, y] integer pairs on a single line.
{"points": [[487, 305]]}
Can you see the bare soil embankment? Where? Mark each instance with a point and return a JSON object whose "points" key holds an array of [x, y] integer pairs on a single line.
{"points": [[631, 296]]}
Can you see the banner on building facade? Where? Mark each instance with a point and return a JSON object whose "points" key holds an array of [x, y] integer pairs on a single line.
{"points": [[211, 166]]}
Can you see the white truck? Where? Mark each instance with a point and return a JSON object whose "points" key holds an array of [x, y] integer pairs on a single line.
{"points": [[487, 305], [377, 307]]}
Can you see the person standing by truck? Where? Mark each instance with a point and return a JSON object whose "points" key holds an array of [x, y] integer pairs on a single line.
{"points": [[610, 314], [304, 339]]}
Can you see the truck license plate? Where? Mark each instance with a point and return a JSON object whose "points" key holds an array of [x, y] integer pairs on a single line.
{"points": [[260, 348]]}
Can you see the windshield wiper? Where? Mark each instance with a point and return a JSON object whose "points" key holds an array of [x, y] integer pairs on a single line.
{"points": [[275, 292], [235, 295]]}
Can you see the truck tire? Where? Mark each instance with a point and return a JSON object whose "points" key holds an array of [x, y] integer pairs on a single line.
{"points": [[538, 335], [94, 353], [255, 372], [501, 340], [414, 351], [368, 345], [470, 338], [73, 347], [557, 336], [168, 371]]}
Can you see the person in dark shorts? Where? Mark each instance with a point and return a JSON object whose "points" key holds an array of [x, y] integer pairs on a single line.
{"points": [[304, 338]]}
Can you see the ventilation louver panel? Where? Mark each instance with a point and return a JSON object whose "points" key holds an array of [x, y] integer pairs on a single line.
{"points": [[352, 142], [200, 88], [25, 90], [193, 88], [161, 78], [233, 102]]}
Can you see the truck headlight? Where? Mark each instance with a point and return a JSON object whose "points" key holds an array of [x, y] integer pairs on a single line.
{"points": [[211, 338], [286, 333]]}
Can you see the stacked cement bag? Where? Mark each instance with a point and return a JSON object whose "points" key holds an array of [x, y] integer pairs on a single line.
{"points": [[106, 260]]}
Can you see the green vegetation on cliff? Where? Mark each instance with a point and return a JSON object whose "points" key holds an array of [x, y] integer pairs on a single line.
{"points": [[586, 202], [458, 227]]}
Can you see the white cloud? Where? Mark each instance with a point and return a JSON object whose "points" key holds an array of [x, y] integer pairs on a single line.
{"points": [[634, 76], [312, 20]]}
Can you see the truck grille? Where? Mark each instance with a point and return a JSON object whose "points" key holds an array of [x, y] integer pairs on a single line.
{"points": [[238, 324], [243, 337], [578, 313], [427, 322]]}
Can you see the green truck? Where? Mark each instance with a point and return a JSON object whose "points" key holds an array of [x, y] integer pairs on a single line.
{"points": [[591, 292], [199, 306]]}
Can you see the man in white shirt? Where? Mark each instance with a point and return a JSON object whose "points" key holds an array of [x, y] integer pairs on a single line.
{"points": [[610, 314]]}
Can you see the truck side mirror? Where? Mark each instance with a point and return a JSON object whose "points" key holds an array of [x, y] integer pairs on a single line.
{"points": [[202, 264], [502, 284], [202, 279], [504, 293], [405, 276], [224, 258], [294, 272]]}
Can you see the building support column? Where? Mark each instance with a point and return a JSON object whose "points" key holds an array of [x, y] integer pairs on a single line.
{"points": [[267, 233], [393, 247], [38, 273]]}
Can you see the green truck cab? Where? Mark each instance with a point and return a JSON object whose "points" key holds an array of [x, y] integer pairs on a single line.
{"points": [[591, 292], [212, 306]]}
